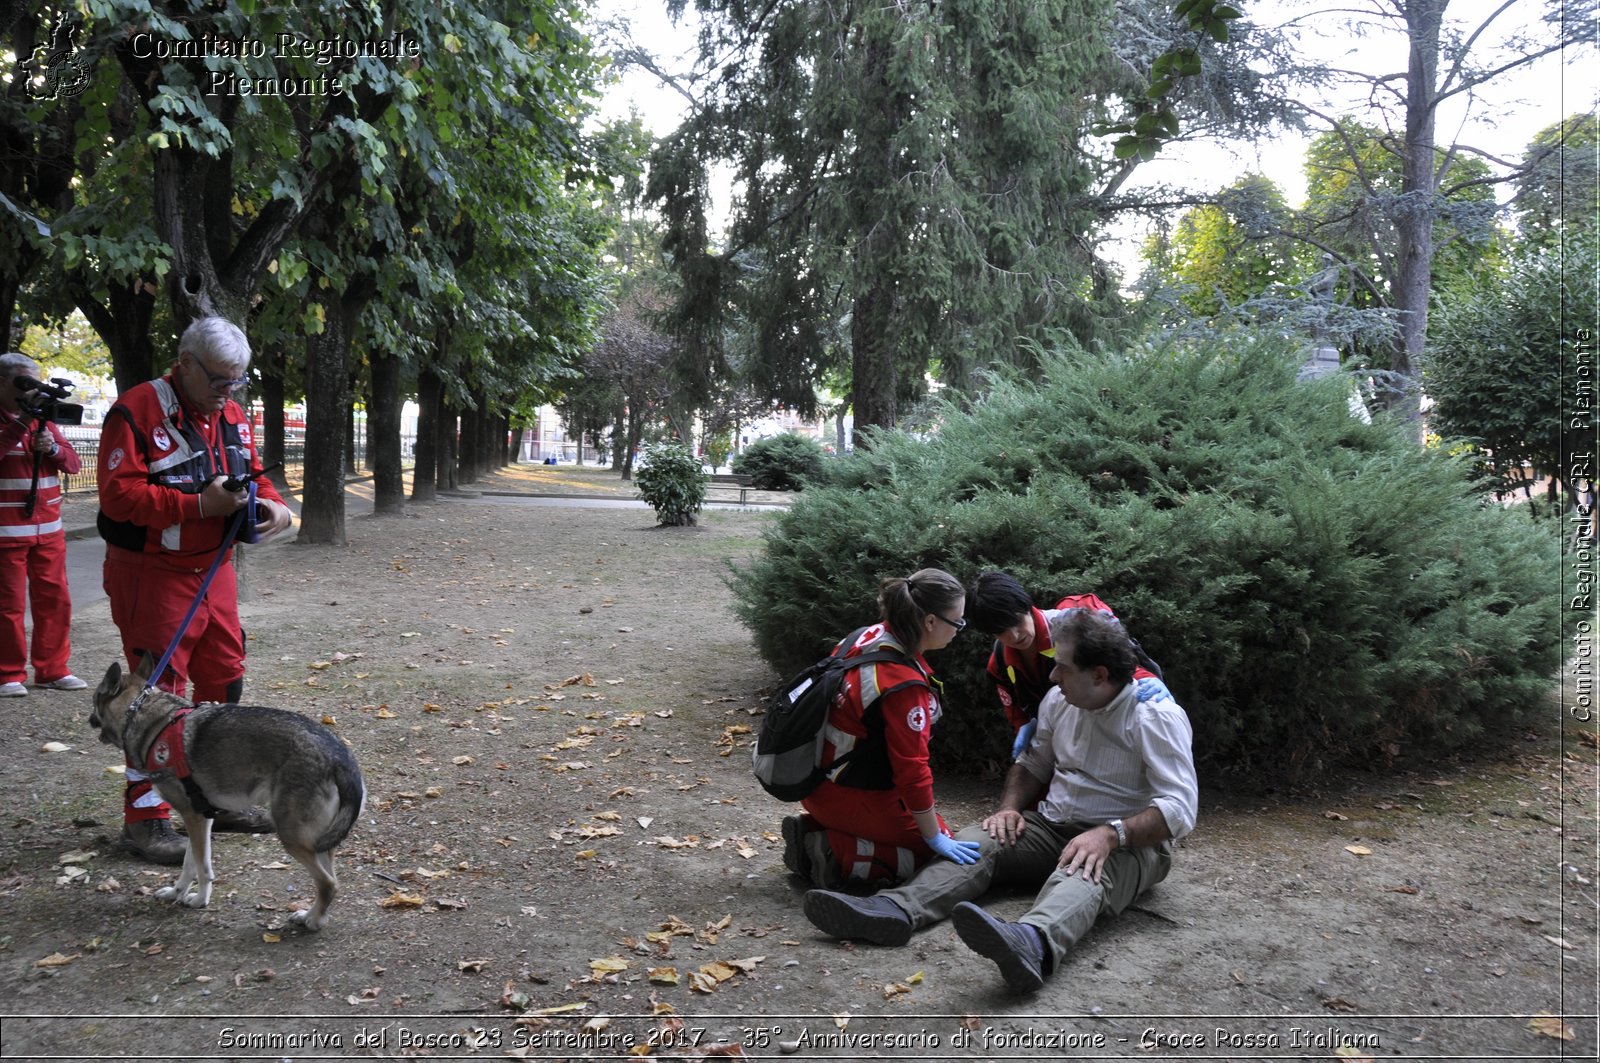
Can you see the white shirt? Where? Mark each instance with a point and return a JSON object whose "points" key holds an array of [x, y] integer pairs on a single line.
{"points": [[1115, 763]]}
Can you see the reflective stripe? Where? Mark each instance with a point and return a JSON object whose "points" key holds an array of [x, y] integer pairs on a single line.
{"points": [[18, 531], [23, 485], [861, 866], [170, 537], [842, 742], [169, 405]]}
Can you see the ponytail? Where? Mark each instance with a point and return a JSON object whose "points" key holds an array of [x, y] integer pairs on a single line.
{"points": [[903, 603]]}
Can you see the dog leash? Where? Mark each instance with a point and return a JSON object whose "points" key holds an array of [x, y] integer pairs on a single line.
{"points": [[194, 606]]}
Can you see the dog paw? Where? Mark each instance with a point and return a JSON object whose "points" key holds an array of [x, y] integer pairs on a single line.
{"points": [[304, 919], [167, 893], [197, 900]]}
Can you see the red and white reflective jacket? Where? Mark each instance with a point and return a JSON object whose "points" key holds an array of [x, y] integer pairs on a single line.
{"points": [[156, 456], [17, 526], [904, 717]]}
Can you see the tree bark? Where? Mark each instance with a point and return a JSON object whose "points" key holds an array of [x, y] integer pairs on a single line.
{"points": [[449, 444], [270, 362], [467, 447], [383, 435], [327, 404], [123, 322], [424, 487], [1419, 193]]}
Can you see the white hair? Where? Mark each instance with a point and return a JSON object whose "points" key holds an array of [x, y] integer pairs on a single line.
{"points": [[14, 364], [218, 342]]}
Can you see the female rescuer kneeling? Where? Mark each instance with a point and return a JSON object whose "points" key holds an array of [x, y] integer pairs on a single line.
{"points": [[875, 822]]}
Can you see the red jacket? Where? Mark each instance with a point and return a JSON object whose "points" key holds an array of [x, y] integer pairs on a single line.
{"points": [[906, 719], [156, 456], [18, 528]]}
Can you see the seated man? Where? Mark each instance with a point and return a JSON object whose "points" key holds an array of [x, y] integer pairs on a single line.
{"points": [[1112, 759], [1023, 654]]}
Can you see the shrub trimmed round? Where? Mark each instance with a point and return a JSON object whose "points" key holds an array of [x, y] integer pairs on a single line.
{"points": [[786, 462], [1320, 592], [673, 482]]}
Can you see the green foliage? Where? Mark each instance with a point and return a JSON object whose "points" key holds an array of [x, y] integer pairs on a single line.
{"points": [[1319, 591], [1503, 352], [1559, 192], [673, 483], [786, 462], [1226, 252]]}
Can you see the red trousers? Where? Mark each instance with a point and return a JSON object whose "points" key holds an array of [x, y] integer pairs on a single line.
{"points": [[871, 832], [148, 600], [36, 572]]}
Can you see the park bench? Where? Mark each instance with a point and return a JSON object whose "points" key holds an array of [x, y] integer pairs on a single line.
{"points": [[730, 482]]}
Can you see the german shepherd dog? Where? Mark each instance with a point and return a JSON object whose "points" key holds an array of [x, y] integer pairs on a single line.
{"points": [[238, 757]]}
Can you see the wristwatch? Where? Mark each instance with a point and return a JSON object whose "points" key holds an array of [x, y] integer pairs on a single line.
{"points": [[1122, 832]]}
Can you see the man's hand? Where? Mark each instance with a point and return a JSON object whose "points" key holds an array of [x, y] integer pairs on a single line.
{"points": [[1088, 851], [43, 442], [275, 518], [1005, 826], [217, 501]]}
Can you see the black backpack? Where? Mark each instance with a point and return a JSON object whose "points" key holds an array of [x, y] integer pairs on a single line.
{"points": [[787, 755]]}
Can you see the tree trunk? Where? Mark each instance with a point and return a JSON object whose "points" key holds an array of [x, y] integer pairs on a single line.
{"points": [[467, 447], [271, 444], [425, 470], [327, 407], [383, 435], [516, 444], [350, 464], [449, 445], [123, 323], [621, 449], [1419, 189]]}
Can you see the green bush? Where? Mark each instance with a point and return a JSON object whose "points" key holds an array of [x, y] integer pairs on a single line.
{"points": [[672, 482], [786, 462], [1319, 591]]}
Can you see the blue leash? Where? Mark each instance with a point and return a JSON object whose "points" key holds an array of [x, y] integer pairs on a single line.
{"points": [[205, 585]]}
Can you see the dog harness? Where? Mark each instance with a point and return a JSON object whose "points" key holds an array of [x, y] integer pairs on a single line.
{"points": [[166, 758]]}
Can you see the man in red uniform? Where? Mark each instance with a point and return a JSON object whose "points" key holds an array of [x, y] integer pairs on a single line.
{"points": [[33, 545], [166, 452]]}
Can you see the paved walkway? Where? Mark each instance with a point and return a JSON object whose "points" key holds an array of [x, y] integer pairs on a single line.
{"points": [[86, 553]]}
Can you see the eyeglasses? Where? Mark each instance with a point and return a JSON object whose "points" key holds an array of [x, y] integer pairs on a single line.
{"points": [[221, 384], [959, 625]]}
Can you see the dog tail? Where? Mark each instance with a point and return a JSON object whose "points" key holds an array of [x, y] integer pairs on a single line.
{"points": [[352, 799]]}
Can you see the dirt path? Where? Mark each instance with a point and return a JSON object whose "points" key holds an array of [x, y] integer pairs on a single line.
{"points": [[564, 852]]}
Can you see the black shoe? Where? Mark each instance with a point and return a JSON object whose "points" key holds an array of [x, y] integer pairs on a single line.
{"points": [[875, 919], [1016, 947], [155, 840], [248, 821], [794, 846]]}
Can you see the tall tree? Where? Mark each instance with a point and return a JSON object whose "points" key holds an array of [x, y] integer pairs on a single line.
{"points": [[926, 174], [1226, 252], [1447, 60]]}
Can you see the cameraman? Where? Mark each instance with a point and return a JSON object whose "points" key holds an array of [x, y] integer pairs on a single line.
{"points": [[33, 545], [168, 448]]}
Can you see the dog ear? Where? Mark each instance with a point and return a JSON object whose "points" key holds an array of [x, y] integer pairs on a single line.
{"points": [[147, 664], [113, 680]]}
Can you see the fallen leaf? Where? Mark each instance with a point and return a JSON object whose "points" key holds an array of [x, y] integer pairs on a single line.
{"points": [[747, 965], [597, 1024], [54, 747], [645, 821], [1337, 1004], [271, 938], [1412, 890], [841, 1019], [1358, 850], [674, 843], [915, 979], [402, 900], [894, 989], [971, 1022], [608, 965], [472, 965], [1547, 1025], [1334, 815], [561, 1009], [56, 959], [384, 713], [1563, 942], [1353, 1054], [663, 975], [77, 856], [461, 761]]}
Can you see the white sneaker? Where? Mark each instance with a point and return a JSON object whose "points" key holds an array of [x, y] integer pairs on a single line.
{"points": [[13, 690], [66, 682]]}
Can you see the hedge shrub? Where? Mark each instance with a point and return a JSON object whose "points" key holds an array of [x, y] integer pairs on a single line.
{"points": [[1319, 591], [786, 462], [673, 482]]}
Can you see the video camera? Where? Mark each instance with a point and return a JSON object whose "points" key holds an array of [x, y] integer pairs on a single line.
{"points": [[44, 401]]}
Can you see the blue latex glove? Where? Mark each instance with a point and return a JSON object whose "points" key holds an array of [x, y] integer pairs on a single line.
{"points": [[1024, 736], [950, 849]]}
